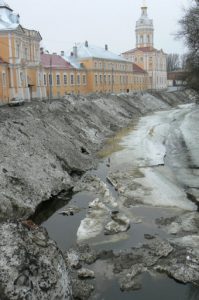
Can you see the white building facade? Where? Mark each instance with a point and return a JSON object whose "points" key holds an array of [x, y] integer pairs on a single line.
{"points": [[153, 61]]}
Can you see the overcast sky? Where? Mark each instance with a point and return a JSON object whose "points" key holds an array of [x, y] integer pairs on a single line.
{"points": [[65, 22]]}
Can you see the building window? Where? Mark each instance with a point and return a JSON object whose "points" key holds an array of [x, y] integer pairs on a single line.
{"points": [[109, 79], [26, 53], [21, 78], [65, 79], [78, 79], [96, 79], [17, 50], [100, 79], [58, 79], [105, 79], [50, 79], [84, 79], [45, 81], [71, 79], [4, 79]]}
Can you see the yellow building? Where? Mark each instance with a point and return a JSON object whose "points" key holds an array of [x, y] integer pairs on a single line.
{"points": [[4, 81], [107, 72], [153, 61], [27, 73], [20, 50], [141, 79], [60, 77]]}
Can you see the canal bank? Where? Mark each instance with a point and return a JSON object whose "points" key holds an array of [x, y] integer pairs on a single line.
{"points": [[46, 147], [137, 181]]}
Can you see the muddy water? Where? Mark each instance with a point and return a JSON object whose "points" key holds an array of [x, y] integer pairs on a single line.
{"points": [[63, 229]]}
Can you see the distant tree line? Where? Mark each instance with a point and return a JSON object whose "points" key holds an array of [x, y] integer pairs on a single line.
{"points": [[176, 62], [189, 31]]}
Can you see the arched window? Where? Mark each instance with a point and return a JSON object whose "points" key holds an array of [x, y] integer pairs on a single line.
{"points": [[141, 39]]}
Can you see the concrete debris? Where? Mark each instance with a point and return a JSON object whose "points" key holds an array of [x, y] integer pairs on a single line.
{"points": [[32, 267], [85, 273]]}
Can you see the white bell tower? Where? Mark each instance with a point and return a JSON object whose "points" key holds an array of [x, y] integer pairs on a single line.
{"points": [[144, 29]]}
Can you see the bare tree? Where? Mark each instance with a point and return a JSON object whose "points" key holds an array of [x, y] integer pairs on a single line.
{"points": [[190, 33], [183, 61], [173, 62]]}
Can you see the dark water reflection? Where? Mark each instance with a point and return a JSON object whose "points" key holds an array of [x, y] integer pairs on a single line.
{"points": [[157, 287]]}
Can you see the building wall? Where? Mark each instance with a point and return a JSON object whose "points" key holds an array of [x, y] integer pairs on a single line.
{"points": [[153, 62], [4, 83], [108, 76], [20, 49], [141, 81], [64, 81]]}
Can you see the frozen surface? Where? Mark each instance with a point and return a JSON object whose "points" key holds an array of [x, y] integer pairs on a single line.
{"points": [[163, 149]]}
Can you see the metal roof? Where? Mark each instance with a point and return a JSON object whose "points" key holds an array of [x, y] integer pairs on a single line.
{"points": [[55, 61], [84, 50], [8, 20], [4, 4]]}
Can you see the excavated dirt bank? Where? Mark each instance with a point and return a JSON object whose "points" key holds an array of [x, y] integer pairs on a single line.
{"points": [[44, 148]]}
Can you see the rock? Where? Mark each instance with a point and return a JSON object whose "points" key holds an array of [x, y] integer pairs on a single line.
{"points": [[32, 267], [70, 211], [73, 259], [97, 204], [149, 236], [182, 265], [92, 225], [131, 280], [81, 289], [159, 248], [87, 254], [187, 223], [120, 223], [85, 273], [81, 254], [147, 255]]}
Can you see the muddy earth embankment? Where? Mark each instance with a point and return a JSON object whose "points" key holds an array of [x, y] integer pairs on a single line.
{"points": [[44, 149]]}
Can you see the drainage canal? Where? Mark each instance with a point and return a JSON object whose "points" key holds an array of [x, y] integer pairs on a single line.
{"points": [[140, 172]]}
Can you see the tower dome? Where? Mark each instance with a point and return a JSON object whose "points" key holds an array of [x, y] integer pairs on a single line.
{"points": [[3, 4], [8, 19], [144, 29]]}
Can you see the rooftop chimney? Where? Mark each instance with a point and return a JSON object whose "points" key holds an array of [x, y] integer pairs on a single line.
{"points": [[75, 51], [62, 53], [106, 47], [86, 43]]}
